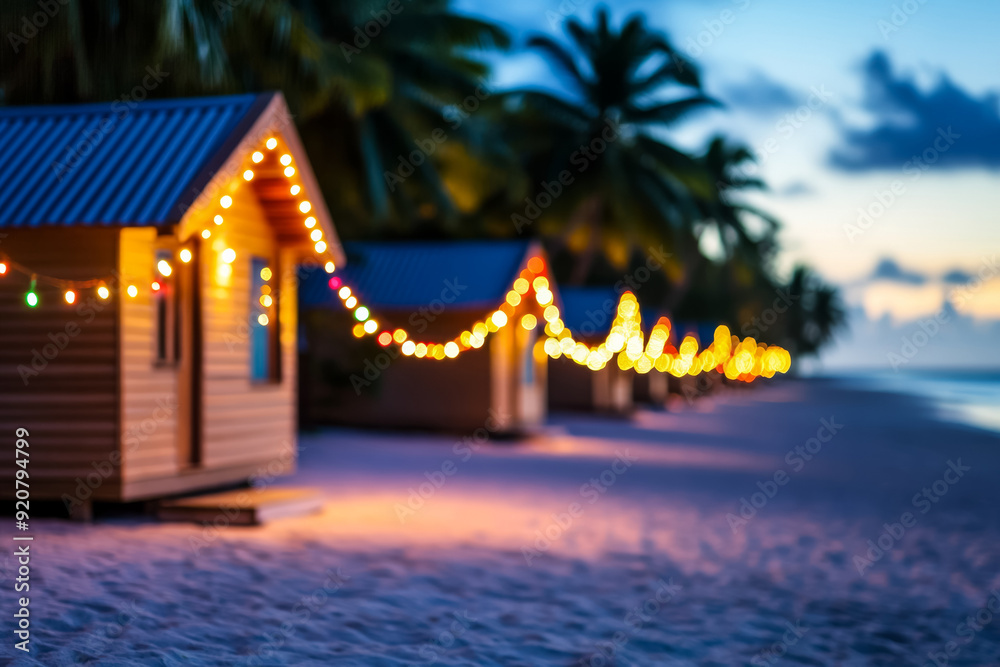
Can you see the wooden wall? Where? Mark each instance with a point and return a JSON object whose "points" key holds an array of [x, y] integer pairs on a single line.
{"points": [[150, 402], [244, 424], [245, 421], [71, 406]]}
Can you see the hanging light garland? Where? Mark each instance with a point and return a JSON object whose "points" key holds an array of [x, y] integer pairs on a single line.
{"points": [[72, 288], [737, 359]]}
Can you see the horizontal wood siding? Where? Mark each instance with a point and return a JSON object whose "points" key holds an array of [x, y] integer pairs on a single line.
{"points": [[70, 407], [149, 404], [244, 421]]}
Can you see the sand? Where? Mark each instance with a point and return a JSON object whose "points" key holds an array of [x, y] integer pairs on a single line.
{"points": [[598, 542]]}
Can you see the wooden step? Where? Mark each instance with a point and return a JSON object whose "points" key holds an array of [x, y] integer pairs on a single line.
{"points": [[242, 507]]}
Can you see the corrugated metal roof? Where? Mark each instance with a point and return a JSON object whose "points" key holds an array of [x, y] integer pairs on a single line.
{"points": [[409, 275], [115, 163], [589, 311]]}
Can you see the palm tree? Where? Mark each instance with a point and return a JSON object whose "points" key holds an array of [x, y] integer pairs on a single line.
{"points": [[815, 314], [638, 190], [390, 93], [100, 49], [746, 254]]}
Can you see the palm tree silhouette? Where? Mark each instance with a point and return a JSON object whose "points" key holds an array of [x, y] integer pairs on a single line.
{"points": [[639, 190]]}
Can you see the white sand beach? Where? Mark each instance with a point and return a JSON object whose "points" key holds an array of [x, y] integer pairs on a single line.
{"points": [[598, 542]]}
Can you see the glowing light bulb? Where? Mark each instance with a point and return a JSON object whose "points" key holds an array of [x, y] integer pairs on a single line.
{"points": [[132, 291], [217, 219], [285, 160], [226, 201], [31, 299], [257, 156], [103, 292], [371, 326], [163, 266], [320, 246], [536, 265], [316, 234], [70, 296], [451, 349], [399, 335], [305, 206], [266, 301], [344, 292], [361, 314], [265, 273], [271, 143], [529, 322], [3, 268], [228, 256], [206, 234], [330, 267], [384, 338], [262, 320], [156, 286], [499, 318], [351, 302], [289, 171], [409, 347], [248, 175], [185, 255], [295, 189]]}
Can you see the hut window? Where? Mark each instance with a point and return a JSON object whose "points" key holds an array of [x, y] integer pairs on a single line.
{"points": [[263, 321], [165, 312]]}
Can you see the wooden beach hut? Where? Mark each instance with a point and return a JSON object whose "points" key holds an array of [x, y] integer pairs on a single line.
{"points": [[427, 293], [148, 256], [589, 313]]}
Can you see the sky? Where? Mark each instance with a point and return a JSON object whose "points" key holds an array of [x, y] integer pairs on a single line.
{"points": [[876, 124]]}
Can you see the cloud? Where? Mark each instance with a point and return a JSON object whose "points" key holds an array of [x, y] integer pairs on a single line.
{"points": [[908, 121], [760, 95], [795, 189], [888, 269], [956, 277]]}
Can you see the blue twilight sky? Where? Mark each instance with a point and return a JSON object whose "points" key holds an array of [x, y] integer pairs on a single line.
{"points": [[887, 81]]}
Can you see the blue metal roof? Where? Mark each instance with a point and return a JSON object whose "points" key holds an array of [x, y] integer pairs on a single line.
{"points": [[589, 311], [462, 275], [115, 163]]}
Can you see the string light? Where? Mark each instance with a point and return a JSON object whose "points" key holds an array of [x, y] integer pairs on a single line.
{"points": [[70, 296], [295, 189], [265, 273], [248, 175], [217, 220], [132, 291], [3, 268], [156, 286], [185, 255], [103, 292], [206, 234], [289, 171], [285, 160], [330, 267], [271, 143], [226, 201], [257, 156], [305, 206], [228, 256]]}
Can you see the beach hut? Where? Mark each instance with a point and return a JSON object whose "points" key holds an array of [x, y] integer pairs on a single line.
{"points": [[148, 256], [427, 294], [589, 312]]}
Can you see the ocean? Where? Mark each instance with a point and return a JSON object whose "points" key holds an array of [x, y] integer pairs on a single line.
{"points": [[970, 397]]}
